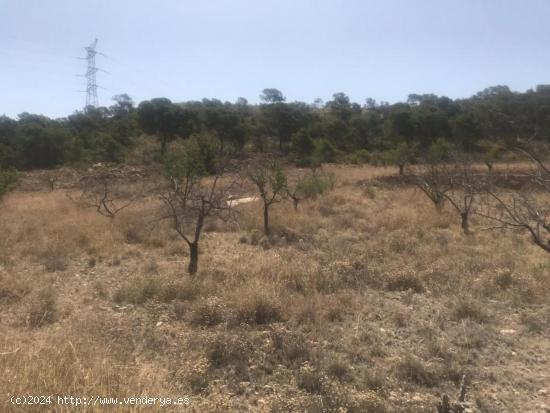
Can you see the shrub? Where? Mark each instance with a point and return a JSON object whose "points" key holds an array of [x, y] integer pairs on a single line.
{"points": [[258, 308], [210, 312], [406, 282], [504, 280], [302, 144], [43, 309], [291, 348], [139, 291], [414, 370], [195, 375], [374, 379], [339, 370], [229, 350], [13, 288], [184, 291], [8, 178], [310, 381], [467, 307], [314, 184], [324, 151], [54, 259]]}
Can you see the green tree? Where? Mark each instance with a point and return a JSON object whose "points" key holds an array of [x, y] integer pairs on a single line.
{"points": [[8, 179], [197, 191], [271, 95], [161, 117], [402, 155], [282, 120], [302, 145], [270, 181], [467, 130], [42, 143]]}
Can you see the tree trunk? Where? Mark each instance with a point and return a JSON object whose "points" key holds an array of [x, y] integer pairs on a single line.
{"points": [[266, 219], [401, 170], [465, 224], [295, 203], [193, 258], [439, 204]]}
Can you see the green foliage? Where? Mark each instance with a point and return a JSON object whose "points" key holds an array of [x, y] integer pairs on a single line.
{"points": [[161, 117], [401, 155], [302, 144], [44, 146], [359, 157], [325, 151], [313, 133], [8, 179], [271, 95], [314, 184], [492, 151], [440, 150], [280, 120], [8, 156], [198, 156], [270, 179]]}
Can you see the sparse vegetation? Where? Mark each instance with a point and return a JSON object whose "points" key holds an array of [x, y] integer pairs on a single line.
{"points": [[330, 314], [271, 182]]}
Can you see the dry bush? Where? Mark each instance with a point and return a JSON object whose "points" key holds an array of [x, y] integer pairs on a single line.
{"points": [[139, 291], [257, 306], [194, 376], [373, 379], [336, 399], [227, 350], [43, 308], [13, 287], [471, 335], [54, 259], [536, 321], [210, 312], [310, 380], [416, 371], [340, 370], [290, 348], [470, 308], [183, 290], [406, 282], [64, 364], [48, 228]]}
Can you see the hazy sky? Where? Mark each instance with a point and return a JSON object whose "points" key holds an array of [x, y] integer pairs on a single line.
{"points": [[186, 49]]}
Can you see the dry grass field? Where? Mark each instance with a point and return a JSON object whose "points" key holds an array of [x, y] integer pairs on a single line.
{"points": [[365, 299]]}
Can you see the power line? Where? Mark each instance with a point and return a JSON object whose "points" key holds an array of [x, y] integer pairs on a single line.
{"points": [[91, 83]]}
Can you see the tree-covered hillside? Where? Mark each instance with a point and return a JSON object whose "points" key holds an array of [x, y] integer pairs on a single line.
{"points": [[307, 133]]}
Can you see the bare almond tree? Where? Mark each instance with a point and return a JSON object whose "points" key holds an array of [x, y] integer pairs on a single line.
{"points": [[109, 191], [271, 183], [429, 179], [526, 209], [463, 186], [192, 197], [453, 181]]}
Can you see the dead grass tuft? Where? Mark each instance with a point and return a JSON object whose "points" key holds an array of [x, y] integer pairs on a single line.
{"points": [[416, 371], [210, 312], [467, 307], [139, 291], [43, 309], [406, 282]]}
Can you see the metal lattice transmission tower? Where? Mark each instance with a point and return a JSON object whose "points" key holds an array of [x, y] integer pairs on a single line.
{"points": [[91, 84]]}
